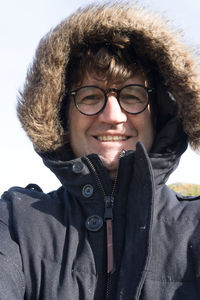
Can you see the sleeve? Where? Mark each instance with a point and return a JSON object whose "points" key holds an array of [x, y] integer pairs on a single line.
{"points": [[12, 283]]}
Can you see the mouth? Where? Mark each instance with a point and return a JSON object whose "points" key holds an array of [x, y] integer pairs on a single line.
{"points": [[111, 138]]}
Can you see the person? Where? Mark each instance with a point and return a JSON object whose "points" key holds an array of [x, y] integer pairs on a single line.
{"points": [[110, 104]]}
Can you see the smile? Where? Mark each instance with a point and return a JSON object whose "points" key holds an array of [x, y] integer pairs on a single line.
{"points": [[111, 138]]}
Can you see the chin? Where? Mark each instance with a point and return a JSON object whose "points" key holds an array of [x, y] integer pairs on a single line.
{"points": [[110, 164]]}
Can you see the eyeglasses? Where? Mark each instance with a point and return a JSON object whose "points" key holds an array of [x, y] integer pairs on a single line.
{"points": [[91, 100]]}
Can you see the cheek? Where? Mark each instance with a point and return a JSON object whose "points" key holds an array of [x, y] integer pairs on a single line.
{"points": [[73, 125], [142, 122], [74, 133], [143, 125], [78, 125], [75, 129]]}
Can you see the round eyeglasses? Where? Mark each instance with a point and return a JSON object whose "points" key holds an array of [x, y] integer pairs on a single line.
{"points": [[91, 100]]}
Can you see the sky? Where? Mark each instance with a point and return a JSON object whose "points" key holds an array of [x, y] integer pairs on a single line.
{"points": [[22, 24]]}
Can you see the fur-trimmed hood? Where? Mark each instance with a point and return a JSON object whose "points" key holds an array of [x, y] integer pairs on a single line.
{"points": [[41, 99]]}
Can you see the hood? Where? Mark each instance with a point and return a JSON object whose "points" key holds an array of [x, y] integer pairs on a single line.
{"points": [[176, 65]]}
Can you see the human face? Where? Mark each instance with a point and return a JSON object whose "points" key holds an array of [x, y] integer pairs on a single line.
{"points": [[110, 131]]}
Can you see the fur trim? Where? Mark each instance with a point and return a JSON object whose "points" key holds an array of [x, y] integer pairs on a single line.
{"points": [[41, 99]]}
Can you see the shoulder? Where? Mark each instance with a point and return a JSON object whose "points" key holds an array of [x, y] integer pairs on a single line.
{"points": [[174, 206], [23, 205], [33, 217], [30, 194], [168, 191]]}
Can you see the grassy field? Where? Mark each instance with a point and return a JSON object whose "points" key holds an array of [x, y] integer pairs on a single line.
{"points": [[186, 189]]}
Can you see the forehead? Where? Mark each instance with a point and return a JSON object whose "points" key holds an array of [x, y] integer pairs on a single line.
{"points": [[103, 82]]}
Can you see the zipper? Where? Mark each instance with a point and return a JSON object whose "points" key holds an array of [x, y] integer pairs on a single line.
{"points": [[108, 218]]}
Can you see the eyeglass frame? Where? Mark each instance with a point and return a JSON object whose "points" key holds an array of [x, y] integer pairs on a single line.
{"points": [[73, 93]]}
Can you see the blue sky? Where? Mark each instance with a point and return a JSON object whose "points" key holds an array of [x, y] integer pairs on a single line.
{"points": [[22, 24]]}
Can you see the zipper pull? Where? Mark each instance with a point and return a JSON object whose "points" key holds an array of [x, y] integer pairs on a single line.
{"points": [[109, 201], [108, 216]]}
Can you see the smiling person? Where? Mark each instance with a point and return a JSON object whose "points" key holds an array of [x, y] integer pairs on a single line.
{"points": [[109, 112], [110, 104]]}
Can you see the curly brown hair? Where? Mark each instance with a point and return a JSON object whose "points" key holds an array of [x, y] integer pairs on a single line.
{"points": [[114, 64]]}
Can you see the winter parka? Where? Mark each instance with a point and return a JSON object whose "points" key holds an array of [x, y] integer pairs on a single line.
{"points": [[54, 245]]}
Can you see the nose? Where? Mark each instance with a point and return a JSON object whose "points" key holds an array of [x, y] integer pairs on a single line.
{"points": [[112, 113]]}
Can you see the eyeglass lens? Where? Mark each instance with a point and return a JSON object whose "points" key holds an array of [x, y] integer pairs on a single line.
{"points": [[90, 100]]}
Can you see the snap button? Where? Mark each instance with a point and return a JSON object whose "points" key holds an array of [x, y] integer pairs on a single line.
{"points": [[94, 223], [87, 190], [77, 167], [122, 153]]}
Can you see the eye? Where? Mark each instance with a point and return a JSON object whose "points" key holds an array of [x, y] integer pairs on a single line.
{"points": [[89, 96], [131, 99], [132, 95], [90, 99]]}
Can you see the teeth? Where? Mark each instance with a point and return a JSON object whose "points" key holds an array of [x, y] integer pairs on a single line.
{"points": [[107, 138]]}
